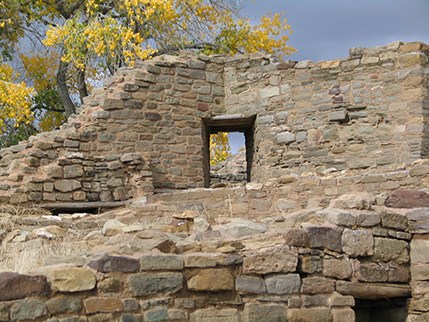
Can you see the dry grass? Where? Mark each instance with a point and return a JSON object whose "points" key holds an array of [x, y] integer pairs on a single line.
{"points": [[25, 257]]}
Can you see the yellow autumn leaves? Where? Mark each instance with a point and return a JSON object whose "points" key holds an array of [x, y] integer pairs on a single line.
{"points": [[15, 99], [135, 29], [219, 147]]}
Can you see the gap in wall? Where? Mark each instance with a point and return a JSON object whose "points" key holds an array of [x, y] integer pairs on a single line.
{"points": [[232, 170]]}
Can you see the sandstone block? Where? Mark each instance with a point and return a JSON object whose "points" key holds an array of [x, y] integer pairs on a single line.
{"points": [[128, 317], [269, 92], [399, 274], [411, 59], [310, 264], [281, 259], [283, 284], [357, 242], [419, 251], [296, 237], [113, 104], [161, 262], [215, 315], [64, 304], [108, 263], [418, 220], [338, 217], [285, 138], [337, 299], [338, 116], [317, 284], [27, 309], [342, 315], [142, 284], [408, 199], [16, 286], [328, 237], [337, 268], [367, 219], [102, 305], [395, 221], [212, 280], [69, 278], [386, 249], [310, 315], [239, 227], [371, 272], [67, 185], [353, 200], [270, 312], [250, 284], [156, 314], [73, 171]]}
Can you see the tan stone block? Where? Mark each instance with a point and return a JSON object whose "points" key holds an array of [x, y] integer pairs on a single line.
{"points": [[212, 280], [64, 278], [103, 305], [343, 315]]}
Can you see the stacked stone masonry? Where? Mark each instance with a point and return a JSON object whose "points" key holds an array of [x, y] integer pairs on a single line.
{"points": [[312, 273], [365, 111]]}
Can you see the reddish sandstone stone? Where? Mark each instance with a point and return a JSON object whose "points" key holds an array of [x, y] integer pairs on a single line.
{"points": [[16, 286]]}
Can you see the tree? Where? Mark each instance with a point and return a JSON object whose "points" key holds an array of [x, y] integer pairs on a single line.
{"points": [[219, 147], [93, 38], [15, 100]]}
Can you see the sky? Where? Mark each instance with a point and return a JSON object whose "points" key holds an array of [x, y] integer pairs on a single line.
{"points": [[326, 29]]}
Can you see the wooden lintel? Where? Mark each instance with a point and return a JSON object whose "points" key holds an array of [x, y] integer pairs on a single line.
{"points": [[81, 206], [372, 291]]}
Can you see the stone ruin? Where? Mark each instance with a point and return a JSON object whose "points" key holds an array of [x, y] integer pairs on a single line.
{"points": [[332, 225]]}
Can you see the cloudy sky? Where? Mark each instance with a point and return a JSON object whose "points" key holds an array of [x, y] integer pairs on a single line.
{"points": [[326, 29]]}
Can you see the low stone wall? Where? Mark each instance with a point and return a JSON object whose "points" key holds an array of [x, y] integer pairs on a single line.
{"points": [[292, 192], [311, 273]]}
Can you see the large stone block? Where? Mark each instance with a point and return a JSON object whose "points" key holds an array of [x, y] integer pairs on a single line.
{"points": [[310, 315], [67, 185], [328, 237], [143, 284], [408, 199], [357, 242], [337, 268], [283, 283], [69, 278], [250, 284], [371, 272], [103, 305], [17, 286], [387, 249], [109, 263], [418, 220], [28, 309], [419, 251], [64, 304], [395, 221], [317, 284], [281, 259], [212, 279], [161, 262], [215, 315], [270, 312]]}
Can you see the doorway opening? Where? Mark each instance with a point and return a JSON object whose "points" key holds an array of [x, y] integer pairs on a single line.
{"points": [[237, 168], [380, 310]]}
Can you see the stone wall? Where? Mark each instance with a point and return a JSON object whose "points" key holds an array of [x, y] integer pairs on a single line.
{"points": [[310, 273], [367, 110]]}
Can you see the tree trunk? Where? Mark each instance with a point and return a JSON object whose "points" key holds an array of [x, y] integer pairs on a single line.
{"points": [[83, 90], [63, 90]]}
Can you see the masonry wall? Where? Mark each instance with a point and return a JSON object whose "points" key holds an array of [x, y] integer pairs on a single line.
{"points": [[367, 110], [313, 273], [144, 131]]}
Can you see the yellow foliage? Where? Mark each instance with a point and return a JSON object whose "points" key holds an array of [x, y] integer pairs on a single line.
{"points": [[41, 69], [219, 147], [127, 30], [15, 98]]}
